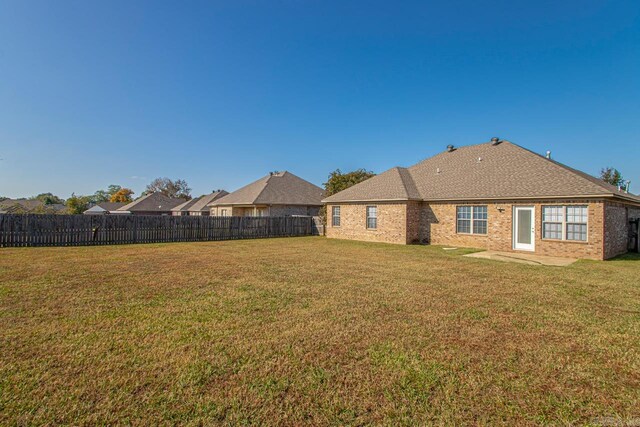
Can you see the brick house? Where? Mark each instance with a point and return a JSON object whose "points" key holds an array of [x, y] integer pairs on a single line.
{"points": [[277, 194], [496, 196], [198, 206]]}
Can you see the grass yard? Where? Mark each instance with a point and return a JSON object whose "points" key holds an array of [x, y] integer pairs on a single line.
{"points": [[313, 331]]}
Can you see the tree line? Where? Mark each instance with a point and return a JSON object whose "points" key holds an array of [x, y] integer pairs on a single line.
{"points": [[77, 204]]}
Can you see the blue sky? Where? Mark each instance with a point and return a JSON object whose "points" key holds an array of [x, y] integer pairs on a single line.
{"points": [[221, 93]]}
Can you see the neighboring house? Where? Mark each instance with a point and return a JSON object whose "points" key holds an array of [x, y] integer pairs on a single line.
{"points": [[24, 206], [495, 195], [198, 206], [277, 194], [151, 204], [183, 208], [104, 208]]}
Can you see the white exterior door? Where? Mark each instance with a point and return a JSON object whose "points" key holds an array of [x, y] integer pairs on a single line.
{"points": [[524, 228]]}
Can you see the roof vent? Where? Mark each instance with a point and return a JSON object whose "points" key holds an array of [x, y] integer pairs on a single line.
{"points": [[450, 148], [548, 154], [495, 140]]}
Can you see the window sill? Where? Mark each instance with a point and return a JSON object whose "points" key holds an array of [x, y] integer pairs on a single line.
{"points": [[472, 234], [578, 242]]}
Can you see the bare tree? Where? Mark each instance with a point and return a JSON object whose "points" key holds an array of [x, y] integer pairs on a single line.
{"points": [[178, 189]]}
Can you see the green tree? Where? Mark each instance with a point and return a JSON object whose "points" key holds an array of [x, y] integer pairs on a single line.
{"points": [[611, 175], [78, 204], [105, 195], [178, 189], [48, 198], [339, 181]]}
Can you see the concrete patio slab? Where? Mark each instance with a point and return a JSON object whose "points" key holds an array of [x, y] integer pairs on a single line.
{"points": [[523, 258]]}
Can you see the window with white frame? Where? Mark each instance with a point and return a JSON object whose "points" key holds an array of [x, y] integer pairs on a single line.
{"points": [[577, 223], [223, 212], [552, 222], [372, 217], [335, 216], [479, 220], [471, 219], [564, 223]]}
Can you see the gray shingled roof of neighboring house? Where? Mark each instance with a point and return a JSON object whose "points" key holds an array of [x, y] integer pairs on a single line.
{"points": [[110, 206], [199, 204], [153, 202], [29, 206], [202, 204], [483, 171], [24, 203], [104, 206], [281, 188], [184, 207]]}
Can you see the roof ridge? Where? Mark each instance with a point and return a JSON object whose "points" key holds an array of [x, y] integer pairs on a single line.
{"points": [[404, 186], [131, 203], [462, 147], [204, 201], [186, 204], [407, 179], [264, 187]]}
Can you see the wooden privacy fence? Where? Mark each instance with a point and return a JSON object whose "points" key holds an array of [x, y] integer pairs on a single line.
{"points": [[81, 230]]}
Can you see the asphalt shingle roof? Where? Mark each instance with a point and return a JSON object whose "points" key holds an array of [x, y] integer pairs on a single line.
{"points": [[184, 207], [110, 206], [29, 206], [483, 171], [157, 202], [202, 203], [281, 188]]}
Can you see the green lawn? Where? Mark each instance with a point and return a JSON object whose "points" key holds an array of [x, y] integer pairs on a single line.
{"points": [[313, 331]]}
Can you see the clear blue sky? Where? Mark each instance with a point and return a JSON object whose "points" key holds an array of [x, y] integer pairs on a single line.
{"points": [[220, 93]]}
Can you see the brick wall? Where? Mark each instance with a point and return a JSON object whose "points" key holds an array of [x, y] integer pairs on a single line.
{"points": [[288, 210], [440, 229], [416, 223], [435, 223], [616, 229], [275, 210], [392, 223]]}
